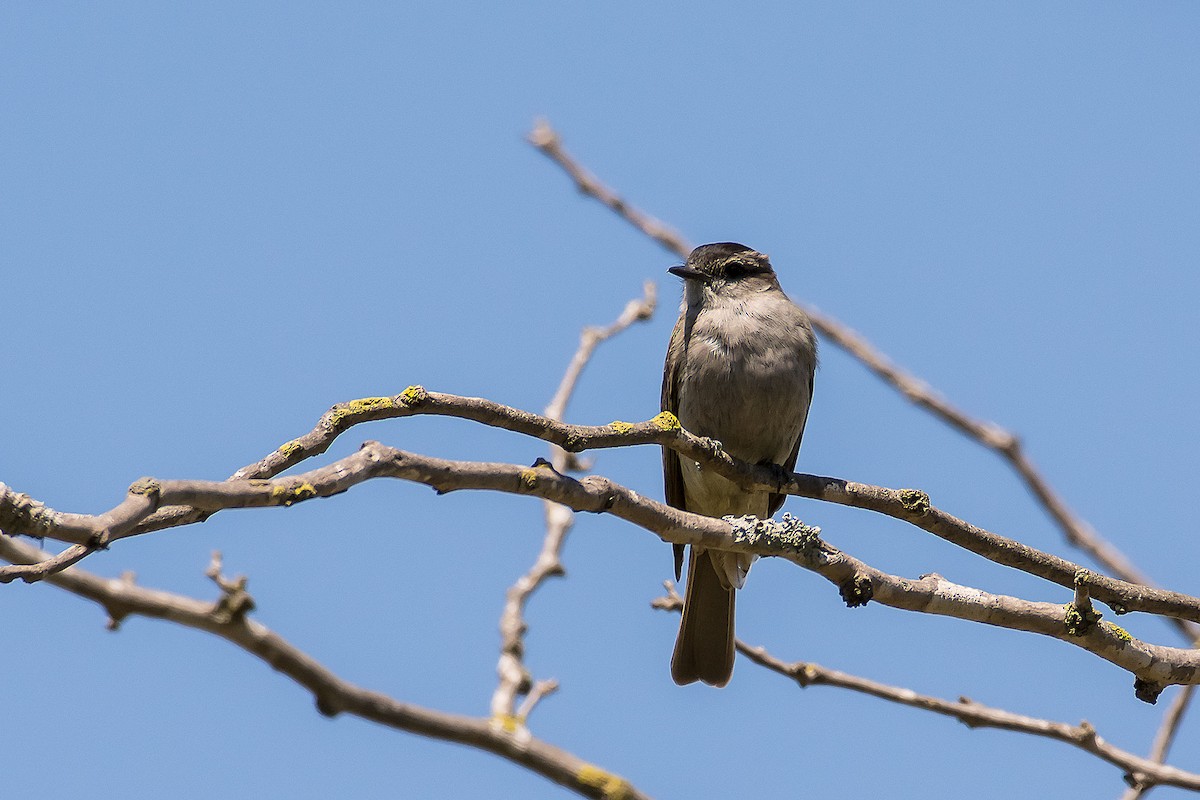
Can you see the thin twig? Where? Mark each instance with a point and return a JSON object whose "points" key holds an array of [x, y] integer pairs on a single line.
{"points": [[514, 677], [1150, 772]]}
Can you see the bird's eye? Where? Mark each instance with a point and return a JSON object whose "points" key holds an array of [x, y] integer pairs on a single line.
{"points": [[738, 269]]}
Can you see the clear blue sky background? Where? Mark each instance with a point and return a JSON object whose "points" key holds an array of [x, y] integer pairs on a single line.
{"points": [[218, 220]]}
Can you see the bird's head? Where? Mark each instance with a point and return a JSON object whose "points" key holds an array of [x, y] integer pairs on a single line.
{"points": [[725, 270]]}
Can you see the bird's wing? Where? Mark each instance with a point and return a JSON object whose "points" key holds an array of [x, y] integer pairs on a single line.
{"points": [[672, 474], [776, 501]]}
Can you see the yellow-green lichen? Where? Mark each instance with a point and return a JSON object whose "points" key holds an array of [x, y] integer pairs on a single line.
{"points": [[509, 723], [1077, 622], [413, 396], [357, 408], [287, 494], [1119, 632], [289, 449], [612, 786], [620, 427], [667, 421], [529, 478], [914, 500], [146, 486]]}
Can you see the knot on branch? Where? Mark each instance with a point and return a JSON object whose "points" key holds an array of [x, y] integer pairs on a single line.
{"points": [[788, 536], [667, 421], [235, 602], [529, 476], [804, 674], [857, 591], [147, 487], [1080, 616], [1079, 622], [413, 396], [914, 501], [20, 513], [1147, 691], [326, 706], [118, 611]]}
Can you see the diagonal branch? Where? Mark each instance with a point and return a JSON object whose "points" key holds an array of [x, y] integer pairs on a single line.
{"points": [[974, 715], [514, 677], [333, 695], [1000, 441]]}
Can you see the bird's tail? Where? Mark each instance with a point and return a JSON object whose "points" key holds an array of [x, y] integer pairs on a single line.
{"points": [[704, 648]]}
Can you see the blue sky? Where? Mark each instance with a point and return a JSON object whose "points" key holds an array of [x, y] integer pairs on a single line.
{"points": [[217, 221]]}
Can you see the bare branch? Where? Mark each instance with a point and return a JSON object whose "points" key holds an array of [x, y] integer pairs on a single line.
{"points": [[333, 695], [1153, 666], [909, 505], [547, 141], [637, 310], [970, 713], [1004, 443], [513, 674], [977, 715]]}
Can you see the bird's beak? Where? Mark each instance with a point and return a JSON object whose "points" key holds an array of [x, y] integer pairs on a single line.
{"points": [[688, 273]]}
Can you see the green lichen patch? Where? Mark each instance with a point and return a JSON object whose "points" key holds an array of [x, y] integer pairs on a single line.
{"points": [[1119, 632], [915, 501], [612, 787], [363, 407], [145, 486], [789, 535], [528, 478], [413, 396], [1078, 622], [667, 421], [289, 449], [509, 723], [288, 493]]}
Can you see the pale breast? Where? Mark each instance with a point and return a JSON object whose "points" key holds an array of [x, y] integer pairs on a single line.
{"points": [[747, 378]]}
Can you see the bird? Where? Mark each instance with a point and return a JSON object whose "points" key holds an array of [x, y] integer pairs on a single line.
{"points": [[739, 369]]}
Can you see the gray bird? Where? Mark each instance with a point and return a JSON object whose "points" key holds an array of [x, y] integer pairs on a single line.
{"points": [[739, 370]]}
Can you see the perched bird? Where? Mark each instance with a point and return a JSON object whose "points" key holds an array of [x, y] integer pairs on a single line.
{"points": [[739, 369]]}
